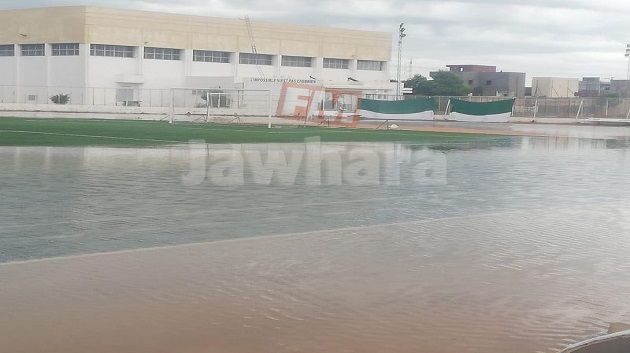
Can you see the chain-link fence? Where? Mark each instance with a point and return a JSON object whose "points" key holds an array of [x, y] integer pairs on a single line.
{"points": [[543, 107], [262, 102], [93, 96]]}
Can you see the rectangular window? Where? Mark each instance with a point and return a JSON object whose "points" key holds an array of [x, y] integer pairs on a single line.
{"points": [[255, 59], [32, 50], [297, 61], [370, 65], [118, 51], [162, 53], [330, 63], [65, 49], [488, 83], [211, 56], [7, 50]]}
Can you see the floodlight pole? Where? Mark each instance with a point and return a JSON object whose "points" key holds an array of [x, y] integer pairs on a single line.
{"points": [[401, 35], [628, 57]]}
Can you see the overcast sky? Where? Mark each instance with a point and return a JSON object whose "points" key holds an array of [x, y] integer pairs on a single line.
{"points": [[568, 38]]}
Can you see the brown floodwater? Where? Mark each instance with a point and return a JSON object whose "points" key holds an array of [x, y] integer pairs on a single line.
{"points": [[523, 248], [448, 285]]}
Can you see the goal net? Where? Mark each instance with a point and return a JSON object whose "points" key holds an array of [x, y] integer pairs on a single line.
{"points": [[222, 105]]}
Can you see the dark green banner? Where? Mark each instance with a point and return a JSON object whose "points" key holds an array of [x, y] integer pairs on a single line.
{"points": [[408, 106], [486, 108]]}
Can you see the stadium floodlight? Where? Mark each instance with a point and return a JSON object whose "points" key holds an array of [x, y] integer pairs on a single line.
{"points": [[628, 56], [401, 35]]}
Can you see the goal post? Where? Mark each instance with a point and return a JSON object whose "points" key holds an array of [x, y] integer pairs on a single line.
{"points": [[255, 106]]}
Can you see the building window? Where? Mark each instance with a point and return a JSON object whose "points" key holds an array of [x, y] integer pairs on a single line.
{"points": [[7, 50], [211, 56], [32, 49], [297, 61], [370, 65], [470, 82], [162, 53], [65, 49], [255, 59], [488, 83], [118, 51], [330, 63]]}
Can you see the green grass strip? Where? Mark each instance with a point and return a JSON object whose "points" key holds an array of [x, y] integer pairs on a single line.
{"points": [[133, 133]]}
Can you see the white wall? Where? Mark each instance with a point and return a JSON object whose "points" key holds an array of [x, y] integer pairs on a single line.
{"points": [[212, 69], [68, 71], [163, 73], [249, 71], [108, 71], [335, 75], [104, 76], [298, 73], [33, 71], [381, 77], [7, 70]]}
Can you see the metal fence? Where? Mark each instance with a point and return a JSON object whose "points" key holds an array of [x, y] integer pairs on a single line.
{"points": [[259, 102], [544, 107], [93, 96]]}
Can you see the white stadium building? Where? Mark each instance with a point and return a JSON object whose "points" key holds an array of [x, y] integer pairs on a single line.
{"points": [[112, 57]]}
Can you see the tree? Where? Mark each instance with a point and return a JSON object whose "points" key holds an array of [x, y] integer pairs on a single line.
{"points": [[442, 83]]}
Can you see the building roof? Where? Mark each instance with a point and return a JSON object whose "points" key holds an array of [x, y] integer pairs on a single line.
{"points": [[87, 24], [472, 68]]}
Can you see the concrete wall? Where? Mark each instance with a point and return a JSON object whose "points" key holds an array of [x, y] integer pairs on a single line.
{"points": [[554, 87]]}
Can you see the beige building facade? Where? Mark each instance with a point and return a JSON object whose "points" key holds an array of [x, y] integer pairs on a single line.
{"points": [[83, 46]]}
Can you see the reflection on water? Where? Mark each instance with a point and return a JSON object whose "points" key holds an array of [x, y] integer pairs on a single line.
{"points": [[509, 244]]}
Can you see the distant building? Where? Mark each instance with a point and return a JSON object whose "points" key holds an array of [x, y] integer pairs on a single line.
{"points": [[590, 87], [472, 68], [620, 87], [555, 87], [486, 81]]}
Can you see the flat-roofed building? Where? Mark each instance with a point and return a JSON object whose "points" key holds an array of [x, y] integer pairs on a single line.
{"points": [[83, 46], [485, 80]]}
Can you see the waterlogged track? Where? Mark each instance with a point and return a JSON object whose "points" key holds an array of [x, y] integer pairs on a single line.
{"points": [[514, 281], [521, 246]]}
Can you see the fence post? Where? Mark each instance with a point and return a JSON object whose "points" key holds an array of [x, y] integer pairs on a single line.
{"points": [[269, 120], [448, 104], [208, 97], [172, 107], [577, 116]]}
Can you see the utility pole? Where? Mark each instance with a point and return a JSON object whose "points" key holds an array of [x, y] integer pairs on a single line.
{"points": [[401, 35], [628, 57]]}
